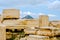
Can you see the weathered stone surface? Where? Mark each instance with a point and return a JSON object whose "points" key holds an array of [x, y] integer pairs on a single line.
{"points": [[11, 13], [2, 33]]}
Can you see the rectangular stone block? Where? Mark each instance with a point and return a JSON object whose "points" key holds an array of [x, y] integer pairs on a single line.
{"points": [[2, 33], [11, 13], [11, 22], [43, 20]]}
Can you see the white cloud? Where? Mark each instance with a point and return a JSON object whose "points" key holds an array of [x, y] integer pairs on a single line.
{"points": [[51, 15], [54, 5], [27, 13], [35, 15], [42, 14]]}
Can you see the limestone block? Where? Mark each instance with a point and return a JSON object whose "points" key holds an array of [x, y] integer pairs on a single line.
{"points": [[11, 13], [2, 33], [44, 32], [30, 31], [36, 37], [11, 22], [1, 18]]}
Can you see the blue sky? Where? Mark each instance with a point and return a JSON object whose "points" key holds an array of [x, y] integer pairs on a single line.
{"points": [[34, 7]]}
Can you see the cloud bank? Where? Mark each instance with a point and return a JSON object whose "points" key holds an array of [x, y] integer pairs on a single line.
{"points": [[36, 15], [50, 5], [54, 5]]}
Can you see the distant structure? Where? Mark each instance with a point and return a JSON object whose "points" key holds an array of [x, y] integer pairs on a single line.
{"points": [[43, 20], [28, 17]]}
